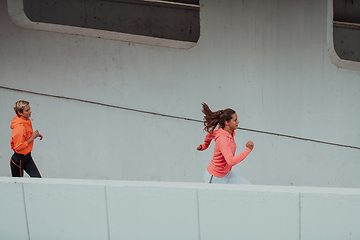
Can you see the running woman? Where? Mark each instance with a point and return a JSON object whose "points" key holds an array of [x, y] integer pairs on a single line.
{"points": [[219, 169], [22, 141]]}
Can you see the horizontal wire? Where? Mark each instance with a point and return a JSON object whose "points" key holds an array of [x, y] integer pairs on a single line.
{"points": [[175, 117]]}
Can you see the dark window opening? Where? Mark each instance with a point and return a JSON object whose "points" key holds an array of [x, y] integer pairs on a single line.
{"points": [[175, 20], [346, 29]]}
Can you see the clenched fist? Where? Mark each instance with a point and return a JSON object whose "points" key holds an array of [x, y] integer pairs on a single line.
{"points": [[250, 145]]}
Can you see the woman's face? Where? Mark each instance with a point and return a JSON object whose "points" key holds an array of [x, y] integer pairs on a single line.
{"points": [[233, 123], [26, 114]]}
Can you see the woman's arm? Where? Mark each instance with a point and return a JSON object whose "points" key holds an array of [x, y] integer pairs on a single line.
{"points": [[34, 135], [208, 138], [228, 155], [18, 138]]}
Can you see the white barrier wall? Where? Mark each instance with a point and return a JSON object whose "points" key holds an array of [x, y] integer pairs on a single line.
{"points": [[271, 61], [99, 209]]}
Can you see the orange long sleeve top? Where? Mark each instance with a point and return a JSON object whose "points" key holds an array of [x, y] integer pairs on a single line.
{"points": [[21, 132], [224, 152]]}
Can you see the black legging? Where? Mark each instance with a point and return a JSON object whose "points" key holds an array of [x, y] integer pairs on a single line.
{"points": [[21, 162]]}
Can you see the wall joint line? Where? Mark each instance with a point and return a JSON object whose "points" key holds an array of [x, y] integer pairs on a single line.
{"points": [[177, 117]]}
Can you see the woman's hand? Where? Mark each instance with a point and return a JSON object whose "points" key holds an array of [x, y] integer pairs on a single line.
{"points": [[200, 148], [250, 145], [35, 135]]}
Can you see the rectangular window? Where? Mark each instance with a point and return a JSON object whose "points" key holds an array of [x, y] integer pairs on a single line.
{"points": [[162, 23], [346, 29]]}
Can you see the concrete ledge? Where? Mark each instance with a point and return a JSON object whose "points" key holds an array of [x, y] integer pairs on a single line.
{"points": [[13, 222], [96, 209]]}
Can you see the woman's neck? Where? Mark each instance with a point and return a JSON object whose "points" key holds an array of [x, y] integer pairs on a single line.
{"points": [[227, 128], [23, 118]]}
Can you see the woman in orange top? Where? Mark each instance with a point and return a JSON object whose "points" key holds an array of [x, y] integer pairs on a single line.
{"points": [[22, 141], [219, 169]]}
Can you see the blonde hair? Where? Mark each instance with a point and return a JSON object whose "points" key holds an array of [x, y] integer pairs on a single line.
{"points": [[19, 106]]}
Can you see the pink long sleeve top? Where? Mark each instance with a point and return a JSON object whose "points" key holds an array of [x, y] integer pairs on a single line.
{"points": [[224, 152]]}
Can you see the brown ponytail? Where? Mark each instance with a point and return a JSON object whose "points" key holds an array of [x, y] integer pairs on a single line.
{"points": [[212, 119]]}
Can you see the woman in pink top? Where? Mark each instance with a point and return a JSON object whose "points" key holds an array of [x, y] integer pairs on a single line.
{"points": [[219, 169]]}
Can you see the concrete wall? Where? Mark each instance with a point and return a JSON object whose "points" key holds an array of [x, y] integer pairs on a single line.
{"points": [[271, 61], [100, 209]]}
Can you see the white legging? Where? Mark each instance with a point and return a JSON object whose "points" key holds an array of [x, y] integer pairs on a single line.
{"points": [[230, 178]]}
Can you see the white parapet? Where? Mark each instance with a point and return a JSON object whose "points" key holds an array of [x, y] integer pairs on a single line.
{"points": [[99, 209]]}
